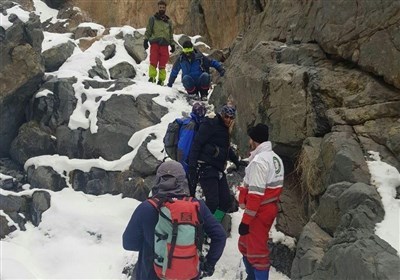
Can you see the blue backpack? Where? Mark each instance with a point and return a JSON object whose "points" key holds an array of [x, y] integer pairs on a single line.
{"points": [[172, 137]]}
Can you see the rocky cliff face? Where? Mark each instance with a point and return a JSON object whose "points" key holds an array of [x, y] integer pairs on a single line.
{"points": [[21, 71], [324, 75], [217, 21]]}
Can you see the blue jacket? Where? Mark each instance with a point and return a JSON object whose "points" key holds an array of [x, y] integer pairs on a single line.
{"points": [[139, 236], [187, 132], [194, 67]]}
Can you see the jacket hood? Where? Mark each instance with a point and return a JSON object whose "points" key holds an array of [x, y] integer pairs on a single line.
{"points": [[171, 180]]}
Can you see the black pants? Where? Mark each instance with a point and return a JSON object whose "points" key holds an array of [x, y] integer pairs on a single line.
{"points": [[215, 188]]}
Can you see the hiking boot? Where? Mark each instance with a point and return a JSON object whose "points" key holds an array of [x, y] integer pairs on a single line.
{"points": [[203, 94], [160, 83], [194, 96], [204, 98], [152, 80]]}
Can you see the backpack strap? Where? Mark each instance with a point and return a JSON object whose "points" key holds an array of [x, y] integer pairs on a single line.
{"points": [[173, 242], [154, 201]]}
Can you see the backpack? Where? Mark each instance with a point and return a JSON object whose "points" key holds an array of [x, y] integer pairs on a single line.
{"points": [[171, 139], [178, 238]]}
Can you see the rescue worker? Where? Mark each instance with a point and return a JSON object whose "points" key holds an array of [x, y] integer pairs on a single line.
{"points": [[159, 32], [195, 71], [258, 197]]}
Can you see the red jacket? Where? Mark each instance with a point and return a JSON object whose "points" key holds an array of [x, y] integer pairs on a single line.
{"points": [[263, 181]]}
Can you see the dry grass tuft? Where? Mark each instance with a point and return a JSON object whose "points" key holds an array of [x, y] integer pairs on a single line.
{"points": [[309, 173]]}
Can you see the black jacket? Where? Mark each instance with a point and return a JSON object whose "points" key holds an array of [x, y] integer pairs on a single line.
{"points": [[211, 144]]}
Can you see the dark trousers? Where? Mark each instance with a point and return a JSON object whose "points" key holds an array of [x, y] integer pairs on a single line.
{"points": [[201, 84], [215, 188]]}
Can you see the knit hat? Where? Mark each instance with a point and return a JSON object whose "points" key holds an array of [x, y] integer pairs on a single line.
{"points": [[199, 109], [259, 133], [171, 180], [228, 110], [187, 44]]}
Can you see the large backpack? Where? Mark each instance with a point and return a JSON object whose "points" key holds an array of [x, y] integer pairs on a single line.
{"points": [[171, 139], [178, 238]]}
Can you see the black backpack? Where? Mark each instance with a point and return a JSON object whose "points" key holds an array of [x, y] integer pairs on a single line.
{"points": [[171, 139]]}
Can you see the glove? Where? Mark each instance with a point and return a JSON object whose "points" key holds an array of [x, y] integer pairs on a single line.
{"points": [[169, 84], [233, 167], [243, 229], [222, 72], [146, 44], [207, 269], [172, 49]]}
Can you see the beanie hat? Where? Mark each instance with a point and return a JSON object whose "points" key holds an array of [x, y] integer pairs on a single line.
{"points": [[170, 180], [199, 109], [259, 133], [187, 44], [228, 110]]}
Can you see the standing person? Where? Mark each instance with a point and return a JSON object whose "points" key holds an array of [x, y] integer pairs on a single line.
{"points": [[208, 157], [171, 184], [195, 70], [258, 197], [187, 132], [159, 32]]}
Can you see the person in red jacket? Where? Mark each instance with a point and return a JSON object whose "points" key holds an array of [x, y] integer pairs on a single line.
{"points": [[258, 197]]}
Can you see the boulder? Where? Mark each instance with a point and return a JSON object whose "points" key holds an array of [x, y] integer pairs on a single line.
{"points": [[310, 250], [40, 203], [134, 46], [109, 51], [122, 70], [341, 159], [5, 228], [57, 55], [84, 31], [23, 147], [358, 255], [98, 70], [144, 162], [44, 177], [328, 214], [55, 109]]}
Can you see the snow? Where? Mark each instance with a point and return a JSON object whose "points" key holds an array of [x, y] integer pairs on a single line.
{"points": [[45, 12], [386, 178], [17, 10], [53, 39], [80, 236]]}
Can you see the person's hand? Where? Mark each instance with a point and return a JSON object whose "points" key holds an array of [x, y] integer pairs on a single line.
{"points": [[221, 72], [169, 84], [243, 229], [232, 167], [146, 44], [207, 269], [172, 49]]}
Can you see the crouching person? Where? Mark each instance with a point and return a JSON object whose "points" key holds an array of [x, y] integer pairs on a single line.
{"points": [[172, 250]]}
